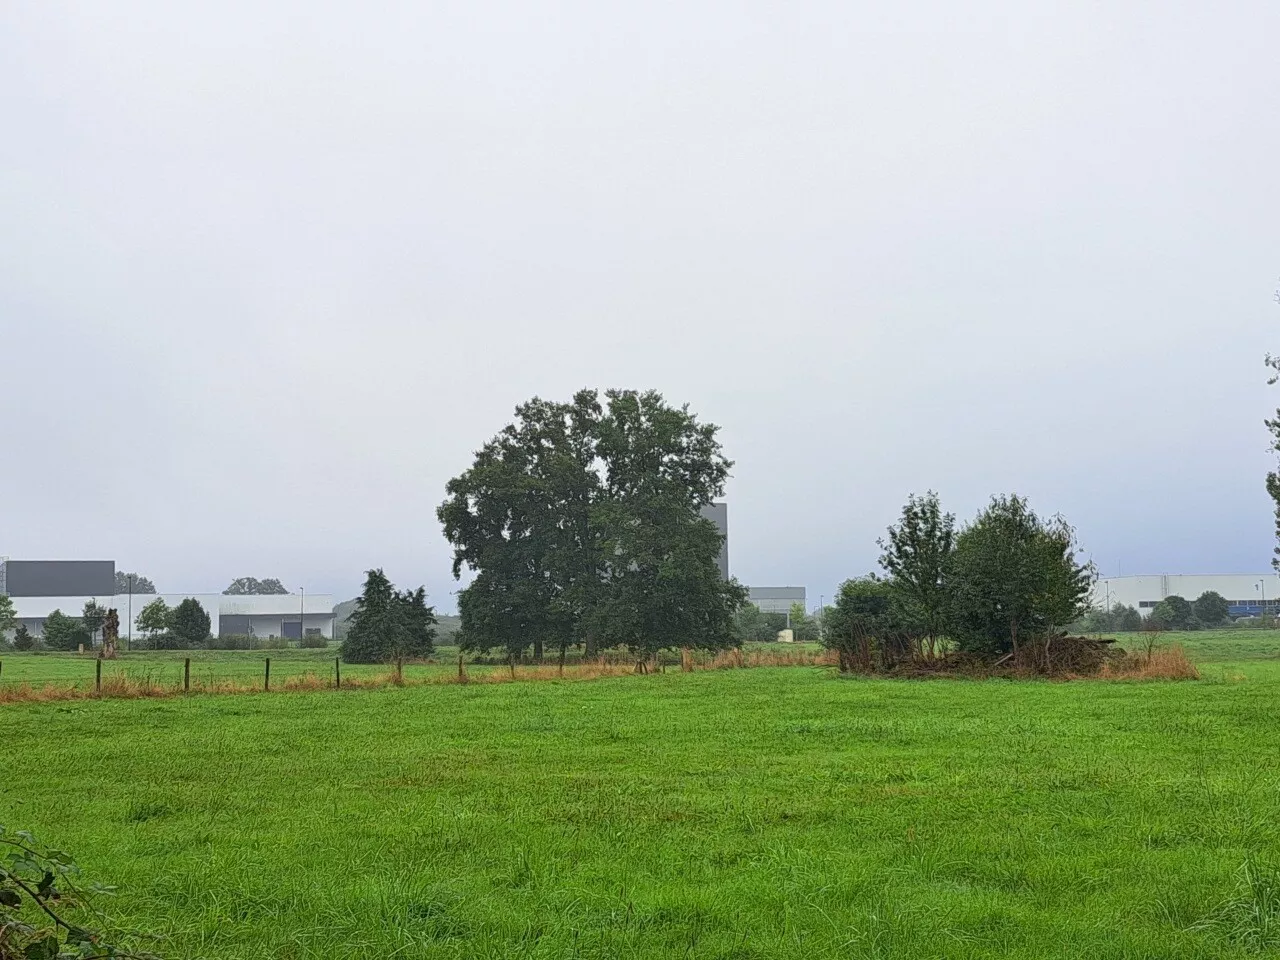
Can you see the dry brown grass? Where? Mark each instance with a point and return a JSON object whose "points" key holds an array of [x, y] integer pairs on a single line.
{"points": [[1162, 663]]}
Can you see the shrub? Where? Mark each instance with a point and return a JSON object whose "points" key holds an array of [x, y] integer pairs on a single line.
{"points": [[22, 639], [42, 909], [1175, 613], [189, 622], [313, 641], [751, 623], [1013, 577], [860, 617], [64, 633], [243, 641], [161, 641], [1211, 608]]}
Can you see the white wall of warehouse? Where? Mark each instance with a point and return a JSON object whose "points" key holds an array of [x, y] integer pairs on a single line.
{"points": [[1135, 591], [266, 613]]}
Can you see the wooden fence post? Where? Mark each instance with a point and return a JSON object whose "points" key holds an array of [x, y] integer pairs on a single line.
{"points": [[266, 680], [186, 675], [97, 676], [337, 673]]}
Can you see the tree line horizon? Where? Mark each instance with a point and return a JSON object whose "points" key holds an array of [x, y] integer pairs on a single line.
{"points": [[581, 523]]}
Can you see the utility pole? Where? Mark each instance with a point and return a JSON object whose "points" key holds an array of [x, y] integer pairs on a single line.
{"points": [[128, 644], [302, 615]]}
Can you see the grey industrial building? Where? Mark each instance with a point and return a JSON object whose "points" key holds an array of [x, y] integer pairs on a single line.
{"points": [[776, 599], [718, 513]]}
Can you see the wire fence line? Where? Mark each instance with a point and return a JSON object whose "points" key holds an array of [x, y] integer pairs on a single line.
{"points": [[81, 677]]}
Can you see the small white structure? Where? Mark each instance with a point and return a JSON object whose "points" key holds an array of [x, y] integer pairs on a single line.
{"points": [[268, 615], [1247, 594]]}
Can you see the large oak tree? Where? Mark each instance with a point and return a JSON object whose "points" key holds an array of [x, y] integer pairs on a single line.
{"points": [[581, 522]]}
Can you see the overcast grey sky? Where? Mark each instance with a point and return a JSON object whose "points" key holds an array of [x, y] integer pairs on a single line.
{"points": [[270, 272]]}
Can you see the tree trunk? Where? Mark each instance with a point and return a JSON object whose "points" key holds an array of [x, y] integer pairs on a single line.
{"points": [[562, 649], [537, 651]]}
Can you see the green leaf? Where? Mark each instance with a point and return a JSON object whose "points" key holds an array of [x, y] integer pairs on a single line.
{"points": [[46, 949]]}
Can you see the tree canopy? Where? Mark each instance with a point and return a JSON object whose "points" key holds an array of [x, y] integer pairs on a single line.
{"points": [[133, 583], [1014, 577], [189, 622], [1120, 618], [1174, 613], [389, 625], [751, 624], [860, 621], [62, 632], [8, 614], [92, 617], [1211, 608], [154, 617], [581, 521], [253, 587], [915, 555]]}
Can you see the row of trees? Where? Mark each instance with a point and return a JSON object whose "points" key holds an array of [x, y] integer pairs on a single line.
{"points": [[1177, 613], [1210, 609], [581, 522], [1008, 580], [185, 625]]}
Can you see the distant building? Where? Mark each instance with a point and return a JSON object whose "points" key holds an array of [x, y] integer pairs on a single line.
{"points": [[1247, 594], [775, 599], [38, 587], [57, 578], [718, 513]]}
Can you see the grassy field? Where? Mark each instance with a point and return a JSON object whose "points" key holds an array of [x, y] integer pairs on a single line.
{"points": [[165, 667], [732, 814]]}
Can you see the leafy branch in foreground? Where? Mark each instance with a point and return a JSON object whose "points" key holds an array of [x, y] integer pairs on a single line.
{"points": [[40, 902]]}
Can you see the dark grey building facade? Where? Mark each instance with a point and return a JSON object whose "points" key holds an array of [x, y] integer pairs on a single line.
{"points": [[718, 513], [58, 578]]}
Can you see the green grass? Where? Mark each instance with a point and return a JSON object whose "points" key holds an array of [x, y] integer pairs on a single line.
{"points": [[165, 666], [730, 814]]}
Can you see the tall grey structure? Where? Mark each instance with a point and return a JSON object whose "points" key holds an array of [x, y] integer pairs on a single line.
{"points": [[58, 578], [718, 513]]}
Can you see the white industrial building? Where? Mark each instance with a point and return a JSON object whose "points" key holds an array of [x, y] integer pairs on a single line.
{"points": [[1248, 594], [275, 615], [39, 587]]}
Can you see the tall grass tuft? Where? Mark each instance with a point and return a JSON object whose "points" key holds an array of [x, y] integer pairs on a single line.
{"points": [[1251, 915], [1161, 663]]}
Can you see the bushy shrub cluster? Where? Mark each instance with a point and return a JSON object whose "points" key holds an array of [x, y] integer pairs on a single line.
{"points": [[1006, 581]]}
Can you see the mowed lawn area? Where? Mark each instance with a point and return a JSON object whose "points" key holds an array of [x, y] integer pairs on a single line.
{"points": [[782, 812]]}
